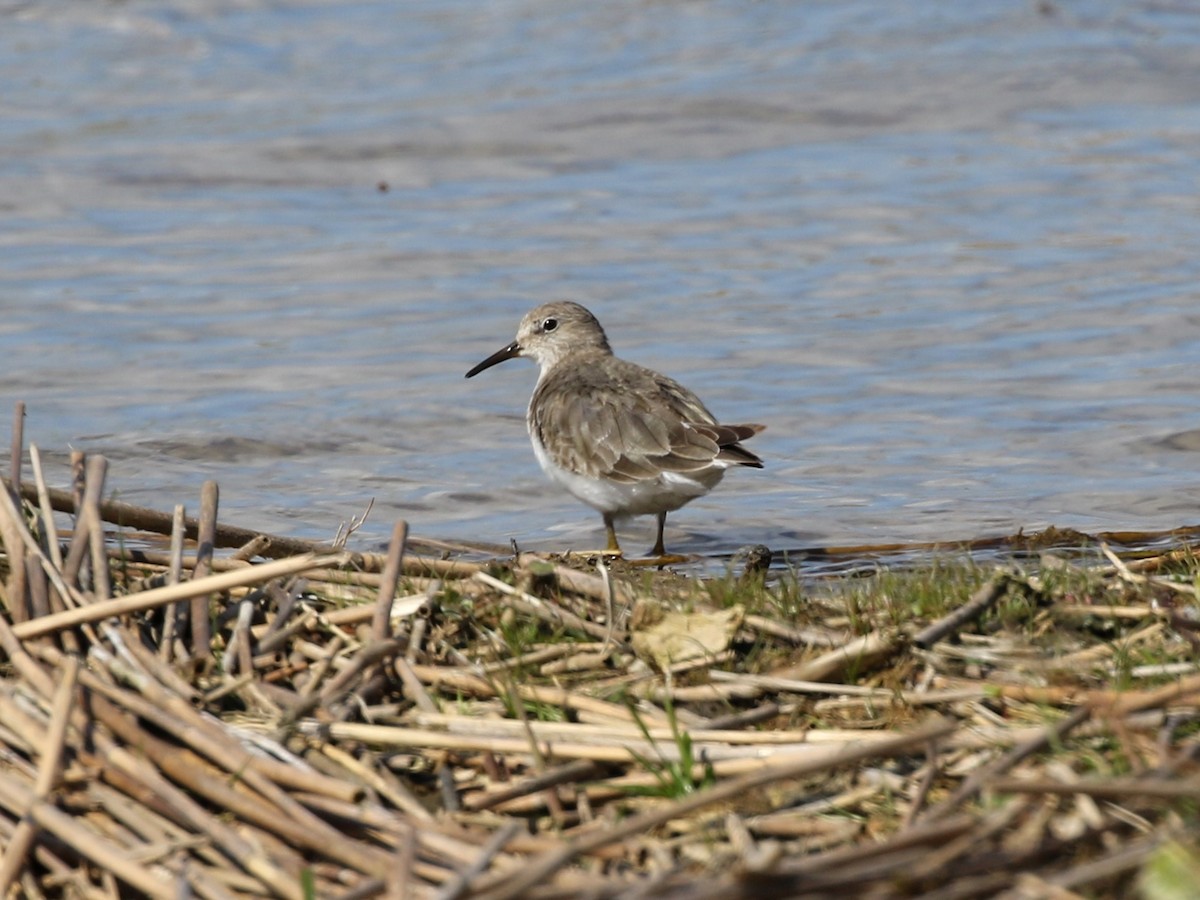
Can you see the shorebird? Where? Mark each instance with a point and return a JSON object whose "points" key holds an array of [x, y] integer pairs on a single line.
{"points": [[622, 438]]}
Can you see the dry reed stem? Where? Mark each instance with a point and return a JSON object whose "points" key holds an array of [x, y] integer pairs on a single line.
{"points": [[535, 606], [205, 540], [382, 621], [49, 771], [46, 522], [599, 744], [16, 446], [860, 654], [1127, 575], [90, 476], [982, 600], [151, 599], [811, 637]]}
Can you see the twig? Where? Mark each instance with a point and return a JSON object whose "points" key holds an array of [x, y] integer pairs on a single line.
{"points": [[138, 517], [252, 548], [101, 585], [1126, 575], [120, 606], [381, 625], [543, 610], [347, 529], [455, 888], [12, 526], [47, 514], [237, 651], [206, 538], [981, 601], [610, 598], [174, 613], [413, 686], [39, 594], [811, 637], [859, 654], [576, 770], [92, 471], [1108, 789], [17, 449], [317, 673]]}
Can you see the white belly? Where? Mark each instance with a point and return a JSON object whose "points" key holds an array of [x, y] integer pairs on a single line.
{"points": [[668, 492]]}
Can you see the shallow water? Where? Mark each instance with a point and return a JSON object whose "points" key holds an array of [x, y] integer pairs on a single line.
{"points": [[948, 255]]}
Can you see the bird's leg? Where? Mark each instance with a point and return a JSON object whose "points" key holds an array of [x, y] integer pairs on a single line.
{"points": [[613, 546], [658, 549]]}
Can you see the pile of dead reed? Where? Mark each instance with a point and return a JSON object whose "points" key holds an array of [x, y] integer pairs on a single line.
{"points": [[186, 722]]}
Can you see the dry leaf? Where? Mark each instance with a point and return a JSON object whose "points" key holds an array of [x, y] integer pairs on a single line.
{"points": [[680, 636]]}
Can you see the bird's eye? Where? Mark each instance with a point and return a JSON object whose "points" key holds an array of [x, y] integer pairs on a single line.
{"points": [[549, 325]]}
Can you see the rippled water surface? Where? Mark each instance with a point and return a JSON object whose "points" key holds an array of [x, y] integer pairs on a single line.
{"points": [[947, 253]]}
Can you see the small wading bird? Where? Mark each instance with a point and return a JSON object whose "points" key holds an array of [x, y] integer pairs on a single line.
{"points": [[620, 437]]}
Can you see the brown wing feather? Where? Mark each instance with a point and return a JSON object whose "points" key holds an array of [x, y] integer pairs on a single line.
{"points": [[608, 421], [728, 437]]}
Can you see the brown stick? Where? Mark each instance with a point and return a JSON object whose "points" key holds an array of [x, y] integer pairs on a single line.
{"points": [[39, 594], [18, 445], [1114, 789], [812, 637], [141, 518], [381, 625], [56, 600], [49, 529], [223, 581], [101, 586], [28, 667], [237, 651], [9, 515], [858, 654], [171, 620], [201, 628], [576, 770], [11, 527], [371, 563], [48, 773], [458, 885], [548, 612], [981, 601], [94, 471]]}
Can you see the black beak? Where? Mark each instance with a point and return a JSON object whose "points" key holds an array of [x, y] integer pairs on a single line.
{"points": [[513, 349]]}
